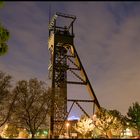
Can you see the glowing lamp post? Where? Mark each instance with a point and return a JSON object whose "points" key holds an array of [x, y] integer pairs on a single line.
{"points": [[67, 127], [94, 118]]}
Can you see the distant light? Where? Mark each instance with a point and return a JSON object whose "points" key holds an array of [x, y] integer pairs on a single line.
{"points": [[67, 124], [45, 132], [128, 132], [73, 118]]}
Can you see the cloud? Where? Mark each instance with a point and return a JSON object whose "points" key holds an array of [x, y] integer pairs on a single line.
{"points": [[110, 51], [120, 81], [28, 42]]}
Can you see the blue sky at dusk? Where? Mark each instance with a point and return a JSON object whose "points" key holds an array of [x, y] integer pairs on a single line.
{"points": [[107, 39]]}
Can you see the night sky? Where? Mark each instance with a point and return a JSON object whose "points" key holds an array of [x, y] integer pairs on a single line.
{"points": [[107, 39]]}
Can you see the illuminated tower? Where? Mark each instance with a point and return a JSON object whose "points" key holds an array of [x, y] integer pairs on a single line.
{"points": [[62, 50]]}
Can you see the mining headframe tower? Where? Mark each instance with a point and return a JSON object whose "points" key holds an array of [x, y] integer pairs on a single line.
{"points": [[62, 51]]}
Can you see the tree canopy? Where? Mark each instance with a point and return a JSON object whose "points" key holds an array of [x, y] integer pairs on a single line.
{"points": [[109, 122], [5, 85], [6, 97], [84, 126], [32, 105], [4, 36], [133, 116]]}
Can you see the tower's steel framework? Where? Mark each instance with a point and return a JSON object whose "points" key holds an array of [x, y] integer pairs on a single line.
{"points": [[62, 50]]}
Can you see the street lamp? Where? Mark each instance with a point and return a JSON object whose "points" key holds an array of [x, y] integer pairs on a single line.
{"points": [[67, 126], [94, 117]]}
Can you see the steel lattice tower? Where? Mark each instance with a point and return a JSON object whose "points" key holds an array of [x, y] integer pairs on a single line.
{"points": [[62, 50]]}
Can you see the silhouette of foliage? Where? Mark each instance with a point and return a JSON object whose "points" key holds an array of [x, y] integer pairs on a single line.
{"points": [[32, 105], [133, 116], [7, 98]]}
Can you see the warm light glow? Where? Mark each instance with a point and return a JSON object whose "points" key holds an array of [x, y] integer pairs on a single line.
{"points": [[67, 124], [67, 129], [94, 117], [128, 132]]}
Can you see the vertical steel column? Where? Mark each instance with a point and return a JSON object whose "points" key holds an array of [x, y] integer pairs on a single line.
{"points": [[53, 88]]}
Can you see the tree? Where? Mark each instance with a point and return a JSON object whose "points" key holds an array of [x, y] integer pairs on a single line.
{"points": [[4, 37], [108, 122], [84, 126], [5, 85], [1, 4], [133, 116], [32, 105], [7, 98], [120, 124]]}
